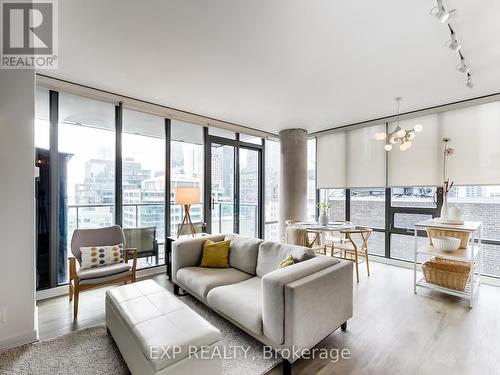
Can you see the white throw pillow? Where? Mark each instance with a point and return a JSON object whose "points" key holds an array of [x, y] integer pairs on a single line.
{"points": [[97, 256]]}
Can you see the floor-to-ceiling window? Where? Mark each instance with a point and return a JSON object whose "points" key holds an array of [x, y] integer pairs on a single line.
{"points": [[143, 185], [311, 180], [272, 190], [86, 148], [482, 203], [186, 169], [367, 208], [42, 188]]}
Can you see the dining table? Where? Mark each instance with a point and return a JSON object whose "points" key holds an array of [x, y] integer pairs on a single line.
{"points": [[323, 230]]}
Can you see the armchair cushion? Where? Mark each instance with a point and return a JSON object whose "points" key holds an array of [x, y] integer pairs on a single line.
{"points": [[99, 272], [99, 256]]}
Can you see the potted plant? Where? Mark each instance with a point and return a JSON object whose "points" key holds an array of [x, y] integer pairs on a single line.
{"points": [[324, 208]]}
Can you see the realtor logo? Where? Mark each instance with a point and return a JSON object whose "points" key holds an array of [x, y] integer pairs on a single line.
{"points": [[29, 35]]}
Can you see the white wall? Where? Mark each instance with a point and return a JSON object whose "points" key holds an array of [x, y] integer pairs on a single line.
{"points": [[17, 256]]}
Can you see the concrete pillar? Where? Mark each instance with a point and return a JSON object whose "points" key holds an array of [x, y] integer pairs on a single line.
{"points": [[293, 176]]}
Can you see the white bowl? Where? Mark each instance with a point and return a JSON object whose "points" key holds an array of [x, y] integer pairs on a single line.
{"points": [[446, 243]]}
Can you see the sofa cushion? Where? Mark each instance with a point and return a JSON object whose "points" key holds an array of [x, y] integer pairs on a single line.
{"points": [[241, 302], [243, 253], [288, 261], [271, 254], [215, 254], [200, 280]]}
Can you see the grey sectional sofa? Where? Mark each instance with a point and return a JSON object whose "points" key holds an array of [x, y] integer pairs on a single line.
{"points": [[289, 309]]}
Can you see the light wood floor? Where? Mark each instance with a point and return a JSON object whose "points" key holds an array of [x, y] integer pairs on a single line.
{"points": [[393, 331]]}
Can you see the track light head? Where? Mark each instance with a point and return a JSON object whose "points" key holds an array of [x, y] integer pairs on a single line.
{"points": [[454, 45], [441, 13], [463, 68], [469, 83]]}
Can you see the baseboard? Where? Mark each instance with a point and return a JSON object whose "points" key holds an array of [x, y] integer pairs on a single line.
{"points": [[64, 289], [18, 340], [487, 280]]}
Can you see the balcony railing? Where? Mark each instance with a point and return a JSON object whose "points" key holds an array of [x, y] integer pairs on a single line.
{"points": [[101, 214]]}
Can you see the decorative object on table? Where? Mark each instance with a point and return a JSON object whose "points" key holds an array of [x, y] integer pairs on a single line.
{"points": [[446, 243], [461, 235], [449, 214], [186, 196], [404, 137], [447, 185], [324, 208], [447, 273]]}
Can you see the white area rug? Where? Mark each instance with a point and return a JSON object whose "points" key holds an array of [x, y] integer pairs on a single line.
{"points": [[92, 351]]}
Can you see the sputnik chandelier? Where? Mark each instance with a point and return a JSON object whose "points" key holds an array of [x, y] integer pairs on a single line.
{"points": [[454, 44], [399, 135]]}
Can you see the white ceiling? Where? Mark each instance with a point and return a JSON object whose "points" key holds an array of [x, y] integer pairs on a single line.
{"points": [[272, 65]]}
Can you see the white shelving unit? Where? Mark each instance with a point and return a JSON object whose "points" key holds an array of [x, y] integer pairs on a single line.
{"points": [[473, 254]]}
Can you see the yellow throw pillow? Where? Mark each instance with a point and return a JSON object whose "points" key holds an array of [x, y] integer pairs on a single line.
{"points": [[215, 254], [288, 261]]}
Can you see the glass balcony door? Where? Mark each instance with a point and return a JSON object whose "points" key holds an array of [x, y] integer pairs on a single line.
{"points": [[223, 196], [249, 178], [234, 188]]}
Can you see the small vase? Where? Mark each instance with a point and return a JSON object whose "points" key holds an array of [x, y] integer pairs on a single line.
{"points": [[323, 219], [444, 208]]}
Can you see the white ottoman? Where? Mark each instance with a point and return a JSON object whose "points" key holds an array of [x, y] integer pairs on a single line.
{"points": [[158, 334]]}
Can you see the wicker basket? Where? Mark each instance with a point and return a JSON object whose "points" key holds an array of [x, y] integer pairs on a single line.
{"points": [[464, 236], [447, 273]]}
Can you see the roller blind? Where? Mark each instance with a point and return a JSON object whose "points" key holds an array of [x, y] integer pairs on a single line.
{"points": [[421, 164], [351, 159], [331, 161], [475, 137], [365, 158], [141, 123], [186, 132]]}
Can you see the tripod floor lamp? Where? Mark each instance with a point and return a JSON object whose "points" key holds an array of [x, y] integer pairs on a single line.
{"points": [[187, 196]]}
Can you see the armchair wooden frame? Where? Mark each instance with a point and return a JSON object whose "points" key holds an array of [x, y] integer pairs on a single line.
{"points": [[348, 249], [74, 281]]}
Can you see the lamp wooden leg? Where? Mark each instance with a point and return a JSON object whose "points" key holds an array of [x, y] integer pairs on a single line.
{"points": [[77, 297], [188, 220], [179, 231]]}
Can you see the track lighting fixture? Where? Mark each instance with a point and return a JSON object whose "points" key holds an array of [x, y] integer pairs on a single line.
{"points": [[454, 44]]}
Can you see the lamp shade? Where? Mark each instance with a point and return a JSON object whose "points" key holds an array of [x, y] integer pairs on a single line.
{"points": [[187, 195]]}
